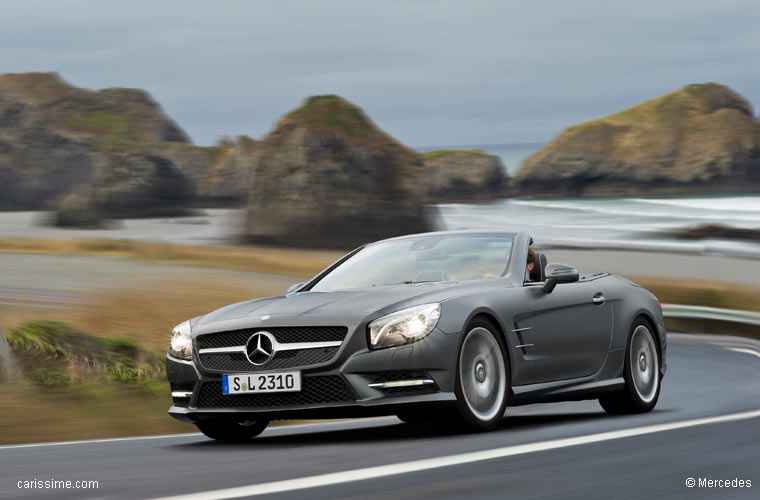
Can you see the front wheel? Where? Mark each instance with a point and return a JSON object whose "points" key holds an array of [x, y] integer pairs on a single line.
{"points": [[232, 430], [482, 378], [641, 373]]}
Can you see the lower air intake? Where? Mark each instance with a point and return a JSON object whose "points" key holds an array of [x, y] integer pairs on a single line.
{"points": [[314, 390]]}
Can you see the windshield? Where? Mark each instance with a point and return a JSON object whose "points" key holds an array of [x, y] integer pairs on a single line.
{"points": [[456, 257]]}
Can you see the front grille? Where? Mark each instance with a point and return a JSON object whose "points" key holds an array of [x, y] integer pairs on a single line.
{"points": [[282, 359], [183, 387], [283, 334], [314, 390]]}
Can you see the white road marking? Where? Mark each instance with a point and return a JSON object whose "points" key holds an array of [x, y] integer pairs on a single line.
{"points": [[274, 430], [715, 339], [447, 461], [744, 350], [726, 342], [92, 441]]}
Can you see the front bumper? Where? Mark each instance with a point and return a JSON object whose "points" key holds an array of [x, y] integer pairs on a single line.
{"points": [[335, 389]]}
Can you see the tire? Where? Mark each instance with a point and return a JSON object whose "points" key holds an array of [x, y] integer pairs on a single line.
{"points": [[641, 372], [482, 378], [232, 430]]}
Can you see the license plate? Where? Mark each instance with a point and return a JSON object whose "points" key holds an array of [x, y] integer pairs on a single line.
{"points": [[257, 383]]}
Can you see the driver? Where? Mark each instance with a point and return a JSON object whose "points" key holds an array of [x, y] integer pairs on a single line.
{"points": [[530, 265]]}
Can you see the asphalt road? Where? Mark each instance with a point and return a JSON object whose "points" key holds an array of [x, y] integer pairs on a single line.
{"points": [[706, 425]]}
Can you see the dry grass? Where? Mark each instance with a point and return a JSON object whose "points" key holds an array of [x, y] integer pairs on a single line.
{"points": [[709, 294], [703, 293], [145, 315], [285, 261], [29, 414]]}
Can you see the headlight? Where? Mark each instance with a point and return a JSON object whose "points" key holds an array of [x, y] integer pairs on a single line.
{"points": [[181, 345], [404, 327]]}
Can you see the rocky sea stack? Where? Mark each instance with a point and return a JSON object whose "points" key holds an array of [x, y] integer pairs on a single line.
{"points": [[701, 139], [326, 176], [104, 154], [465, 175]]}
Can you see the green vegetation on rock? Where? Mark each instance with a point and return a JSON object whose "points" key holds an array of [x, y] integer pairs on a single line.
{"points": [[332, 112], [439, 153], [113, 129]]}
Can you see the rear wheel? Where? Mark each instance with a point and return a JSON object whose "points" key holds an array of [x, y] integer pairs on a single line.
{"points": [[482, 378], [232, 430], [641, 373]]}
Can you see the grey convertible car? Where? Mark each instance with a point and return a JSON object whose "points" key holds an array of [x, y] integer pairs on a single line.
{"points": [[444, 326]]}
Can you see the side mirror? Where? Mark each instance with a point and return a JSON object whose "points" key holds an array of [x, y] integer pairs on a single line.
{"points": [[295, 287], [559, 273]]}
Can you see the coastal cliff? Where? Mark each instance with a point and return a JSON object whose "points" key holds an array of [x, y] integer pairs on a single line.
{"points": [[701, 139], [107, 153], [326, 176], [464, 175]]}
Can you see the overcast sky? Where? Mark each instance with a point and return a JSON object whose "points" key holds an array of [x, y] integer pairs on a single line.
{"points": [[428, 72]]}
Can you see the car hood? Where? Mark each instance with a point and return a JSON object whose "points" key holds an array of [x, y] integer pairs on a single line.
{"points": [[350, 305]]}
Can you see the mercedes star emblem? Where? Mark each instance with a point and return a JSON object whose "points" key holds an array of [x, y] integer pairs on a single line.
{"points": [[260, 348]]}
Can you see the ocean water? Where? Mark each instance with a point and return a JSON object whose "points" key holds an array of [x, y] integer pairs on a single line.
{"points": [[634, 222], [511, 155]]}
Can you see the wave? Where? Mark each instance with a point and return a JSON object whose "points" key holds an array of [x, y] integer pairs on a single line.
{"points": [[732, 204], [632, 223], [725, 248], [606, 208]]}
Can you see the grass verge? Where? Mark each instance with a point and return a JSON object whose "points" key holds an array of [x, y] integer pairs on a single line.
{"points": [[707, 294], [68, 384], [290, 262]]}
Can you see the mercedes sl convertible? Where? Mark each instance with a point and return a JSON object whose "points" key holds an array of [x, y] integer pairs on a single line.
{"points": [[445, 327]]}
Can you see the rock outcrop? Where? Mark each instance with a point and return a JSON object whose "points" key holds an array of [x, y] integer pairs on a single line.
{"points": [[79, 209], [463, 175], [110, 115], [37, 163], [220, 173], [699, 139], [327, 177], [716, 231], [105, 154]]}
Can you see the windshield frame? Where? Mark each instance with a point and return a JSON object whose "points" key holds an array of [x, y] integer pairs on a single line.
{"points": [[508, 235]]}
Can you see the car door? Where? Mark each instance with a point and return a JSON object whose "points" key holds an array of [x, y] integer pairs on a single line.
{"points": [[515, 310], [571, 329]]}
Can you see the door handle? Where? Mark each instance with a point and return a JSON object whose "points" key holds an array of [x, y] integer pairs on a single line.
{"points": [[598, 299]]}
